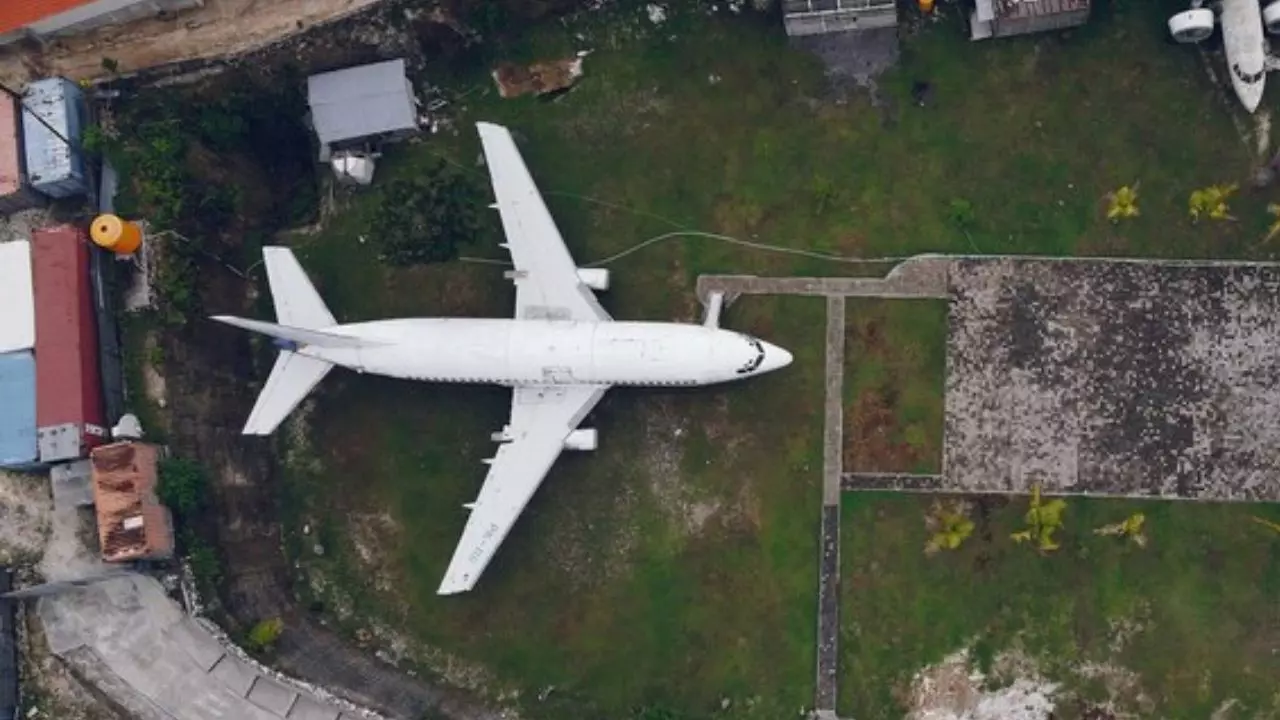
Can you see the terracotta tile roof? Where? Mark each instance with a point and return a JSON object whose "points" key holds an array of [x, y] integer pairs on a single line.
{"points": [[15, 14], [132, 524]]}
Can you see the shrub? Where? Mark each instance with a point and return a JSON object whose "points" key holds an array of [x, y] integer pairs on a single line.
{"points": [[262, 637], [425, 218], [183, 485]]}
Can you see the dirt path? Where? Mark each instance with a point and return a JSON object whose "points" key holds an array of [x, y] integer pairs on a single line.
{"points": [[221, 27]]}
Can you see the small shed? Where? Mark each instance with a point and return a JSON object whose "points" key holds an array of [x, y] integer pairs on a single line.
{"points": [[132, 523], [1002, 18], [55, 164], [357, 106], [819, 17]]}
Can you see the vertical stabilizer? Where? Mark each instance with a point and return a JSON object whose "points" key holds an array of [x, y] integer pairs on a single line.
{"points": [[297, 302]]}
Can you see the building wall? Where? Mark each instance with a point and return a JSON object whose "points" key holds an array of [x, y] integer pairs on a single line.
{"points": [[816, 23], [97, 14], [1004, 27]]}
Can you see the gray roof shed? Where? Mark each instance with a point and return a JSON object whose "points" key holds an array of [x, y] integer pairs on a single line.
{"points": [[361, 102]]}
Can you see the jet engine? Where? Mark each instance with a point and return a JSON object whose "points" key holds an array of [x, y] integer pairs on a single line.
{"points": [[1271, 17], [1192, 26], [581, 439], [596, 278]]}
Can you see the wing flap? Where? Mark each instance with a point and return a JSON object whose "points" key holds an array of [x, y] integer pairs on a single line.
{"points": [[296, 300]]}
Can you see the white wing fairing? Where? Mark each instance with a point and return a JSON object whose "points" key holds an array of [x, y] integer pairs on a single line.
{"points": [[542, 419]]}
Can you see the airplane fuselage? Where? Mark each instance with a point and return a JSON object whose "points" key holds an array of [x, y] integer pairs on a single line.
{"points": [[553, 352], [1244, 44]]}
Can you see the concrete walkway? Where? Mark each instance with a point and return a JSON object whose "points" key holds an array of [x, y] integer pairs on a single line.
{"points": [[158, 663], [832, 462]]}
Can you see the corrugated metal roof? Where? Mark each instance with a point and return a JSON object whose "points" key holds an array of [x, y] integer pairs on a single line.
{"points": [[16, 14], [17, 313], [67, 373], [132, 524], [361, 101], [53, 166], [17, 409]]}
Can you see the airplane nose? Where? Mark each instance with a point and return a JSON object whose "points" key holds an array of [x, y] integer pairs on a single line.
{"points": [[775, 358]]}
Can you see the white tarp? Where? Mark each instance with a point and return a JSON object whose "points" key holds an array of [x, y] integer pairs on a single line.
{"points": [[17, 299]]}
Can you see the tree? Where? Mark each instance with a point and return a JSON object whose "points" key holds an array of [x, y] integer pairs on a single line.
{"points": [[263, 636], [1130, 528], [425, 218], [1123, 203], [950, 525], [1267, 523], [1211, 202], [183, 485], [1273, 229], [1043, 519]]}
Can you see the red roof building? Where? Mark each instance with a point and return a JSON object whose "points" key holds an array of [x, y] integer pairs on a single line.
{"points": [[70, 417], [43, 19], [132, 524]]}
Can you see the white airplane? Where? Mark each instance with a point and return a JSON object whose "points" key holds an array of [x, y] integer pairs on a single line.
{"points": [[1243, 41], [559, 355]]}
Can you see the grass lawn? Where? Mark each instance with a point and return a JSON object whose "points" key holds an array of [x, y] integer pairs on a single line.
{"points": [[676, 566], [1176, 629]]}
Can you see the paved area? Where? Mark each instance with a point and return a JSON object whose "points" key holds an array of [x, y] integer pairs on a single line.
{"points": [[1117, 378], [220, 28], [829, 565], [1108, 377], [924, 276], [857, 56], [151, 658]]}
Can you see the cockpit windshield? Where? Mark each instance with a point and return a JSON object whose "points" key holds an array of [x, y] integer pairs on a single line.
{"points": [[754, 363]]}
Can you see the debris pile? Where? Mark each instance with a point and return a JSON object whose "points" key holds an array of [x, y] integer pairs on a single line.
{"points": [[540, 78]]}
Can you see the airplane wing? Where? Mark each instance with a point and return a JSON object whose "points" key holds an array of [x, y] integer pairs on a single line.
{"points": [[541, 418], [547, 283]]}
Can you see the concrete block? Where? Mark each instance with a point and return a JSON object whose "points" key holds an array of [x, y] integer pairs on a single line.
{"points": [[237, 676], [308, 708], [204, 650], [272, 696]]}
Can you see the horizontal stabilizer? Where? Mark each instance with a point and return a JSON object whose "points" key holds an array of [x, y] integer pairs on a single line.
{"points": [[300, 336], [292, 377]]}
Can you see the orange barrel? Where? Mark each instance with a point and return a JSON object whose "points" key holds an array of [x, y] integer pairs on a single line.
{"points": [[926, 6], [121, 237]]}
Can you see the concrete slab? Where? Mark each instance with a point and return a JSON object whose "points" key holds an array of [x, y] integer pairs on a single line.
{"points": [[272, 696], [144, 652], [309, 709], [72, 484], [204, 651], [235, 675], [1122, 378]]}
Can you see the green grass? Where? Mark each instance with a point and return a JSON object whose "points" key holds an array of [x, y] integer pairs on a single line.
{"points": [[1202, 595], [603, 590], [895, 354]]}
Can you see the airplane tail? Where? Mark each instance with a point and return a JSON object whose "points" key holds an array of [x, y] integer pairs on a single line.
{"points": [[304, 320]]}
